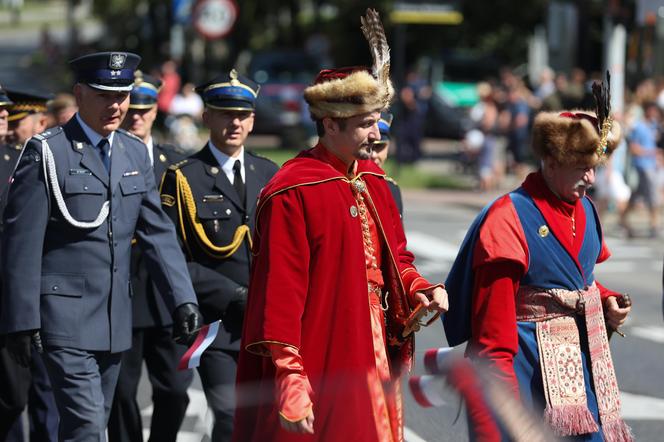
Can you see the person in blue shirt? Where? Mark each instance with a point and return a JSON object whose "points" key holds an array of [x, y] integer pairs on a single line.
{"points": [[643, 148]]}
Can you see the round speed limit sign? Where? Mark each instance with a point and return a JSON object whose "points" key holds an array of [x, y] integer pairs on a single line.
{"points": [[214, 19]]}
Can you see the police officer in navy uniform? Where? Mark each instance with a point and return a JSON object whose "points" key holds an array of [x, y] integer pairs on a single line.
{"points": [[379, 153], [211, 197], [153, 325], [80, 194], [14, 378]]}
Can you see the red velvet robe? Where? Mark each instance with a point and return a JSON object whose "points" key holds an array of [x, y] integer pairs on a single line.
{"points": [[309, 290]]}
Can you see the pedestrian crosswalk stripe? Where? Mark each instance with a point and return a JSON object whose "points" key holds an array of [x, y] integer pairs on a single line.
{"points": [[639, 407], [651, 333]]}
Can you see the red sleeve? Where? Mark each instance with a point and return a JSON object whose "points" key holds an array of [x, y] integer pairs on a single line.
{"points": [[494, 331], [292, 387], [605, 293], [280, 277], [501, 236], [604, 254]]}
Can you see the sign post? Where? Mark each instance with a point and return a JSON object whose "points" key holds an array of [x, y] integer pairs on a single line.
{"points": [[214, 19]]}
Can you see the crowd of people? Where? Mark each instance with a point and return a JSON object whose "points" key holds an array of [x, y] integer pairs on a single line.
{"points": [[117, 249], [503, 117]]}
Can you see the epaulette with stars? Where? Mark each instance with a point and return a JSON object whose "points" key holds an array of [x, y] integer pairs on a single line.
{"points": [[176, 166], [129, 134], [50, 133]]}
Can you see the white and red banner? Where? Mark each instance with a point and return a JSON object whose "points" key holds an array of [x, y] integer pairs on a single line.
{"points": [[205, 337]]}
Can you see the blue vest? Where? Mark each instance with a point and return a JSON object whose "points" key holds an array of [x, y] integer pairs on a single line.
{"points": [[553, 267]]}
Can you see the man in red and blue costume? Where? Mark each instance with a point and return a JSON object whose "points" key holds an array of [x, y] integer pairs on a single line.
{"points": [[523, 293]]}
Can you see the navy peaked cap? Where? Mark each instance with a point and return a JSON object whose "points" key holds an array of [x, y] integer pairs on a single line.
{"points": [[26, 101], [109, 71], [384, 125], [229, 92], [4, 99], [145, 92]]}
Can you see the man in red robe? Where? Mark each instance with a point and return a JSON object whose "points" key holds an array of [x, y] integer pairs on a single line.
{"points": [[332, 284]]}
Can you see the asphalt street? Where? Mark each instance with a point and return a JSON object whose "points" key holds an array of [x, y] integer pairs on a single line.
{"points": [[435, 230]]}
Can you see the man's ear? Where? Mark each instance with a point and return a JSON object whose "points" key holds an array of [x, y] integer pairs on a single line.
{"points": [[205, 116], [331, 126], [42, 121], [78, 93]]}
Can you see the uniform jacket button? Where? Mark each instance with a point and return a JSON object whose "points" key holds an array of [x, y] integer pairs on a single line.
{"points": [[55, 288]]}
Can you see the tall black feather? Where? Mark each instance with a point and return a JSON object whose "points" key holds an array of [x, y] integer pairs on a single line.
{"points": [[602, 95]]}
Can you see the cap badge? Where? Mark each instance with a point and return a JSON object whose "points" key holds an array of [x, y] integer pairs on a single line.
{"points": [[117, 61], [543, 231], [234, 80]]}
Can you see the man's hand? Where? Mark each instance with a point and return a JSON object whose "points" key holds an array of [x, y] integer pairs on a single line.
{"points": [[434, 299], [303, 426], [187, 320], [19, 346], [234, 314], [615, 315]]}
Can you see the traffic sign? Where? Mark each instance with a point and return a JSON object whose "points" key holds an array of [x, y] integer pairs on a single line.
{"points": [[214, 19]]}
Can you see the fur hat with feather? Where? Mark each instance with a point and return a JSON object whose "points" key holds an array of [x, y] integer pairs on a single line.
{"points": [[578, 137], [345, 92]]}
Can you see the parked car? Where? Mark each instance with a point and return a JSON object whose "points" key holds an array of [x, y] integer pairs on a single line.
{"points": [[454, 75], [280, 108], [445, 120]]}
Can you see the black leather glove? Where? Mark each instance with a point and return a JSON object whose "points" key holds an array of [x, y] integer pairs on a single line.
{"points": [[187, 320], [19, 346], [234, 314]]}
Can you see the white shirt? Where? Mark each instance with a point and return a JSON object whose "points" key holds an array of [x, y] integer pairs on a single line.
{"points": [[93, 136], [226, 163], [150, 145]]}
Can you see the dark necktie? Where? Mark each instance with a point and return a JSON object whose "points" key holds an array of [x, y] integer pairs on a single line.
{"points": [[237, 180], [104, 147]]}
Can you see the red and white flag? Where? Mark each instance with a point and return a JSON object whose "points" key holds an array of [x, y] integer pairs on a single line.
{"points": [[205, 337], [428, 390]]}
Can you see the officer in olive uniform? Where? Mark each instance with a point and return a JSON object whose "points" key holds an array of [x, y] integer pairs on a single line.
{"points": [[153, 325], [379, 153], [80, 194], [14, 378], [211, 197]]}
